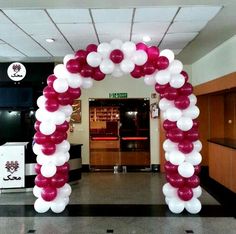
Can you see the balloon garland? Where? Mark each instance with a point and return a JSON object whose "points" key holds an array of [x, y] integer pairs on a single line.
{"points": [[177, 103]]}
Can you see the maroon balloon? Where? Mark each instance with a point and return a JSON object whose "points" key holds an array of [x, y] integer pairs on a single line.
{"points": [[57, 137], [185, 146], [49, 92], [185, 74], [162, 63], [63, 127], [65, 99], [97, 74], [64, 168], [153, 53], [137, 72], [186, 89], [168, 125], [58, 180], [41, 181], [191, 134], [148, 68], [195, 123], [197, 169], [51, 105], [37, 168], [161, 88], [36, 125], [176, 180], [40, 138], [49, 193], [185, 193], [192, 181], [86, 71], [91, 48], [141, 46], [171, 93], [51, 79], [74, 93], [73, 66], [116, 56], [48, 148], [170, 168], [175, 135], [182, 102], [81, 56]]}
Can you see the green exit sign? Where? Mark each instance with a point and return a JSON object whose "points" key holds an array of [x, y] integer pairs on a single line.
{"points": [[118, 95]]}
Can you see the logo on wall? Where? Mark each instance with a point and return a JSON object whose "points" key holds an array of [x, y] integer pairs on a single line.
{"points": [[12, 167], [16, 71]]}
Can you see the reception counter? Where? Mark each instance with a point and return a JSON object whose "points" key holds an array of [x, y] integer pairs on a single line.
{"points": [[222, 161]]}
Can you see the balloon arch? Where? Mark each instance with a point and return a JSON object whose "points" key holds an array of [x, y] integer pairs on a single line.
{"points": [[177, 103]]}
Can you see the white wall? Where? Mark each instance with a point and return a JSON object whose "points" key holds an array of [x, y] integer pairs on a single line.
{"points": [[217, 63], [101, 89]]}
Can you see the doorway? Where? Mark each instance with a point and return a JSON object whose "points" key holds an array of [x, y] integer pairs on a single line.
{"points": [[119, 133]]}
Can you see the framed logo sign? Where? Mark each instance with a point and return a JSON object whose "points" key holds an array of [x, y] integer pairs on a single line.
{"points": [[16, 71]]}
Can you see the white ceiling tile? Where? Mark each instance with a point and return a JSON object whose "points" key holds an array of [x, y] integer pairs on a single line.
{"points": [[110, 37], [150, 28], [26, 16], [187, 26], [110, 28], [155, 14], [112, 15], [197, 13], [8, 51], [65, 16], [4, 19], [154, 38]]}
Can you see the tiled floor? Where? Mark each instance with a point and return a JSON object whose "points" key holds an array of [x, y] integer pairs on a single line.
{"points": [[113, 203]]}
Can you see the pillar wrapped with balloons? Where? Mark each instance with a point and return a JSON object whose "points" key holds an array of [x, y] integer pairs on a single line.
{"points": [[79, 71]]}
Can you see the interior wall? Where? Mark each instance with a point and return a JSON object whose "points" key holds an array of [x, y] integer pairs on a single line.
{"points": [[136, 88]]}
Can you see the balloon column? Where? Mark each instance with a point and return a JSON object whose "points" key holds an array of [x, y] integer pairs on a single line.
{"points": [[116, 58]]}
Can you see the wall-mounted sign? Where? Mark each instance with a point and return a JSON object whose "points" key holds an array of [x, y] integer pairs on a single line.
{"points": [[16, 71], [118, 95]]}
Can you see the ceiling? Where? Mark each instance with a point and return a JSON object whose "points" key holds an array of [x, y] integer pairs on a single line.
{"points": [[25, 28]]}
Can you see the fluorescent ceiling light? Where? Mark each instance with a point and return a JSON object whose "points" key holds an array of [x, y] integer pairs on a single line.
{"points": [[50, 40]]}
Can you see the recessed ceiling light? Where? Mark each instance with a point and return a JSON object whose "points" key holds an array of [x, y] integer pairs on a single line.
{"points": [[146, 38], [50, 40]]}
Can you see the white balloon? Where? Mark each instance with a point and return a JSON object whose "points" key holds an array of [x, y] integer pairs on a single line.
{"points": [[60, 85], [186, 169], [63, 147], [169, 191], [104, 49], [127, 66], [149, 80], [197, 146], [175, 67], [197, 192], [67, 110], [162, 77], [169, 145], [94, 59], [58, 205], [48, 170], [167, 156], [107, 66], [67, 156], [176, 205], [117, 72], [58, 117], [37, 191], [41, 206], [87, 83], [47, 128], [37, 149], [116, 44], [192, 99], [60, 71], [185, 123], [167, 200], [74, 80], [66, 200], [177, 81], [43, 159], [173, 114], [67, 58], [139, 57], [193, 206], [194, 158], [42, 115], [165, 104], [41, 101], [176, 157], [169, 54], [128, 48], [59, 159], [191, 112], [64, 191]]}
